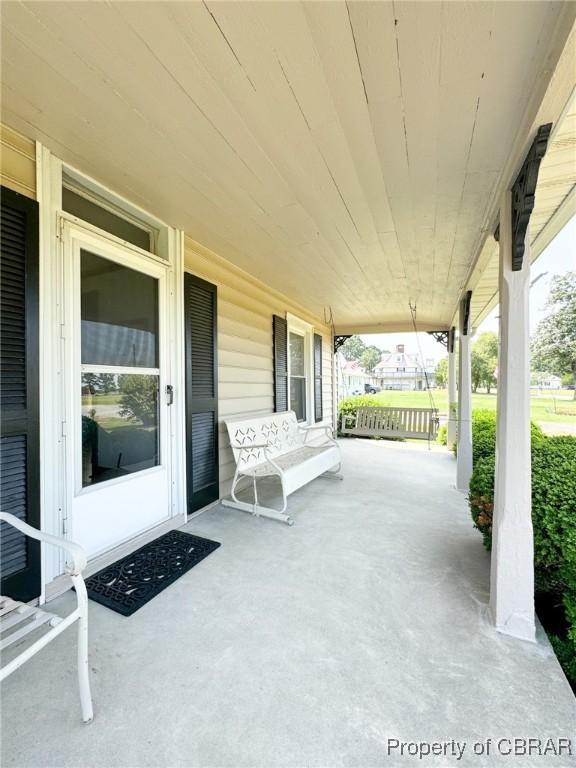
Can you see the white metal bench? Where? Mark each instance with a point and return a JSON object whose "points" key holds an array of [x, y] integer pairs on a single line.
{"points": [[277, 444], [18, 620], [420, 423]]}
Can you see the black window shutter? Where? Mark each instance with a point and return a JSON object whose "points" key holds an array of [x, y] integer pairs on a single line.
{"points": [[200, 314], [318, 377], [280, 338], [19, 393]]}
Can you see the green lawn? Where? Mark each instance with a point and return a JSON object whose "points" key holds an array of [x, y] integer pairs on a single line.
{"points": [[110, 399], [554, 406]]}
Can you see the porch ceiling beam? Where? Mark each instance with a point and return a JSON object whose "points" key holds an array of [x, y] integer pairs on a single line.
{"points": [[555, 224], [400, 327], [549, 102]]}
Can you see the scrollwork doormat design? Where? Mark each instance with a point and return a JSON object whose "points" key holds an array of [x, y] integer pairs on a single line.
{"points": [[129, 583]]}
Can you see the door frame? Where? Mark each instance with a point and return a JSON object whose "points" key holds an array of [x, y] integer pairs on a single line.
{"points": [[76, 236], [54, 425]]}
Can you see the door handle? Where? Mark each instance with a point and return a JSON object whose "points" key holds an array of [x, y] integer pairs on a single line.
{"points": [[169, 394]]}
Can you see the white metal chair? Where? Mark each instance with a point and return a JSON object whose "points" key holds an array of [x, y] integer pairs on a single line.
{"points": [[22, 619]]}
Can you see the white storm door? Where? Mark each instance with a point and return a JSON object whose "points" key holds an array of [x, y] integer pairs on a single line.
{"points": [[118, 463]]}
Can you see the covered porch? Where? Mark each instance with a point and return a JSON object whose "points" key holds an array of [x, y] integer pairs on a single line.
{"points": [[311, 645]]}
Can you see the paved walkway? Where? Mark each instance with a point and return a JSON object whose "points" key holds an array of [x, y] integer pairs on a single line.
{"points": [[306, 646], [557, 428]]}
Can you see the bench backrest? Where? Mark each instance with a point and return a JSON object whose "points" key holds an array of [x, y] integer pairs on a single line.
{"points": [[396, 422], [278, 430]]}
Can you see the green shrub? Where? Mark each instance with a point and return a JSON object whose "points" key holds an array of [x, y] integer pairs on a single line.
{"points": [[554, 516], [349, 405], [565, 650], [554, 522], [484, 434], [481, 497], [442, 436]]}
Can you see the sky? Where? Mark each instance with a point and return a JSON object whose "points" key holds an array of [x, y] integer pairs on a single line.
{"points": [[557, 259]]}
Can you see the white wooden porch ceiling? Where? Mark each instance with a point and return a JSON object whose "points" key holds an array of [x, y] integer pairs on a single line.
{"points": [[346, 154]]}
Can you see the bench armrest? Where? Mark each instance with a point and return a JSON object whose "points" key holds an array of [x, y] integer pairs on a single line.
{"points": [[74, 550], [265, 446], [325, 428], [238, 447]]}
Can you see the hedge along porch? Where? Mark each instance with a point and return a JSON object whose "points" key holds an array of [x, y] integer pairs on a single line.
{"points": [[348, 156]]}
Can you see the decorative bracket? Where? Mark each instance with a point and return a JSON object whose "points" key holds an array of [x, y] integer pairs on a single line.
{"points": [[465, 316], [338, 341], [440, 336], [523, 194]]}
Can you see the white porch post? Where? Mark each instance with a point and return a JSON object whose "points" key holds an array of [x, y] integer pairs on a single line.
{"points": [[464, 453], [512, 568], [452, 402]]}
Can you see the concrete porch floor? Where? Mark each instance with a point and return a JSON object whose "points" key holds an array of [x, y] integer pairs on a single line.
{"points": [[304, 646]]}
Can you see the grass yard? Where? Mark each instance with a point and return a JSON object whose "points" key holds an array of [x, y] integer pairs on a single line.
{"points": [[110, 399], [558, 407]]}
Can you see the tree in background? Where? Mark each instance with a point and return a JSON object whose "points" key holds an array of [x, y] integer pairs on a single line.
{"points": [[441, 373], [554, 343], [139, 401], [486, 349], [479, 369], [353, 348], [107, 383], [91, 380], [370, 358]]}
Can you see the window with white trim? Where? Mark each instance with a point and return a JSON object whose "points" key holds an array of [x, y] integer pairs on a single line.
{"points": [[300, 384]]}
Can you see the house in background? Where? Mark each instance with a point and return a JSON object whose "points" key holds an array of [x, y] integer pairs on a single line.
{"points": [[405, 371], [545, 381], [352, 378]]}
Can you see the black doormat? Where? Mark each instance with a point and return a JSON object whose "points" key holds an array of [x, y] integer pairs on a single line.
{"points": [[129, 583]]}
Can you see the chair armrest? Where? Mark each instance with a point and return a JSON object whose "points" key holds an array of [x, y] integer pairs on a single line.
{"points": [[74, 550]]}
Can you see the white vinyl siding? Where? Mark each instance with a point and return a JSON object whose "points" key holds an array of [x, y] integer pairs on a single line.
{"points": [[245, 362]]}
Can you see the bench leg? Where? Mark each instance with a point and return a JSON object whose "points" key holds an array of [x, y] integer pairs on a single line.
{"points": [[255, 493], [335, 474], [83, 664], [256, 509]]}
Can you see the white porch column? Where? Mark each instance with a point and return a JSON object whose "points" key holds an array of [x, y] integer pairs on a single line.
{"points": [[464, 453], [512, 568], [452, 402]]}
